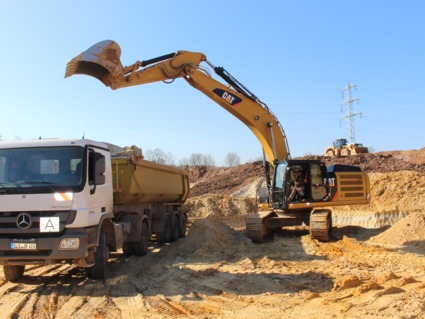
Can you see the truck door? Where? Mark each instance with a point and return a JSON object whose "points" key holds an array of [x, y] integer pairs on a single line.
{"points": [[99, 186]]}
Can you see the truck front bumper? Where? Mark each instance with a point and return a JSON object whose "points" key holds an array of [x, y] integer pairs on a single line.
{"points": [[46, 249]]}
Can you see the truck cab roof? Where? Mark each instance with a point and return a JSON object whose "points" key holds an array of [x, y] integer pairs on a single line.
{"points": [[51, 142]]}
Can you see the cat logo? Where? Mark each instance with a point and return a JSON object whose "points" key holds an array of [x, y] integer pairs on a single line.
{"points": [[233, 100]]}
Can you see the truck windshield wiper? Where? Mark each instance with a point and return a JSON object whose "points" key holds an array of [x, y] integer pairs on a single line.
{"points": [[40, 182], [6, 190]]}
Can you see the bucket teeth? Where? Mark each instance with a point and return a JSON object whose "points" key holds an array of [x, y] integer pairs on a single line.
{"points": [[101, 61], [71, 67]]}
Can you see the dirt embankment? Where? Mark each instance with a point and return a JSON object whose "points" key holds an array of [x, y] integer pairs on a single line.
{"points": [[223, 180], [228, 180]]}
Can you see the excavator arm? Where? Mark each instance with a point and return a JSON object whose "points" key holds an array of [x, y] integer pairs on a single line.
{"points": [[102, 61]]}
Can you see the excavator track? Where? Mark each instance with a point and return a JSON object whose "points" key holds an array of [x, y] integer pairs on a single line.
{"points": [[321, 224], [256, 230]]}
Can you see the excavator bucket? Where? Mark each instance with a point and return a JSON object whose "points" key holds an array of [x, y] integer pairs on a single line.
{"points": [[101, 61]]}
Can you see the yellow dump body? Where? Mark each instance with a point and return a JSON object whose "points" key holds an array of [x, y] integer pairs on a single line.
{"points": [[141, 181]]}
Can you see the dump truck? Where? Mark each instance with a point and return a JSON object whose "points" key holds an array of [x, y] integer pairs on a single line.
{"points": [[323, 187], [76, 200], [341, 148]]}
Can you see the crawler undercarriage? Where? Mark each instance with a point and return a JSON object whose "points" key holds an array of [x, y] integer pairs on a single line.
{"points": [[262, 224]]}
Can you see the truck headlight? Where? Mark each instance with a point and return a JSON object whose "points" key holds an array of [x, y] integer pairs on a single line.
{"points": [[69, 244]]}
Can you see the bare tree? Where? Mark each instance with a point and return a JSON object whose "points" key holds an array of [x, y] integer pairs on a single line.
{"points": [[159, 156], [198, 159], [209, 160], [232, 159], [184, 162]]}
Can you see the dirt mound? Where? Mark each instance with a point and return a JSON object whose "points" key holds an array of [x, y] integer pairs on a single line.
{"points": [[208, 236], [413, 156], [407, 231], [223, 180], [219, 206], [376, 163]]}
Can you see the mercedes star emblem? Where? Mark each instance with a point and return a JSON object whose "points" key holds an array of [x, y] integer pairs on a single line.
{"points": [[24, 221]]}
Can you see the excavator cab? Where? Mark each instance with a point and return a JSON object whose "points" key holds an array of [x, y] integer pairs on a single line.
{"points": [[299, 182]]}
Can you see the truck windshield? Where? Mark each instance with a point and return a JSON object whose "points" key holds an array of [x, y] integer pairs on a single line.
{"points": [[40, 169]]}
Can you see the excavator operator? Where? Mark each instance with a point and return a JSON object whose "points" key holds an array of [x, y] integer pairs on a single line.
{"points": [[298, 188]]}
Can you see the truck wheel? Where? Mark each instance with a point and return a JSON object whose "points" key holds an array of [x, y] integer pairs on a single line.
{"points": [[165, 235], [127, 249], [183, 226], [176, 228], [13, 273], [101, 256], [140, 248]]}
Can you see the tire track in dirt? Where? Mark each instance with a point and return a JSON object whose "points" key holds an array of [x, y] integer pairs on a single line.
{"points": [[127, 299], [21, 299], [89, 300]]}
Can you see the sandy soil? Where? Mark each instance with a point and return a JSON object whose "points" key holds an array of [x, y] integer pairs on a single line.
{"points": [[369, 270]]}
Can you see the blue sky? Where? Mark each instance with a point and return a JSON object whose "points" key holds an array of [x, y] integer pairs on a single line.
{"points": [[296, 56]]}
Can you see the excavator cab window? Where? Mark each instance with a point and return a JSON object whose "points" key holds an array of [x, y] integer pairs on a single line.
{"points": [[279, 186], [319, 189], [298, 183]]}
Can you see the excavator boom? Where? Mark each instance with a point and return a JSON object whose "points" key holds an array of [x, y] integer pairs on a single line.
{"points": [[102, 61]]}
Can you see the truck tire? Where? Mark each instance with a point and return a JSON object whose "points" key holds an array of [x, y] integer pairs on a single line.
{"points": [[176, 228], [165, 235], [140, 248], [183, 226], [101, 256], [13, 273], [127, 249]]}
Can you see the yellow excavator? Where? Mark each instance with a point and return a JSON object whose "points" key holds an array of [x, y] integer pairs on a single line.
{"points": [[300, 192]]}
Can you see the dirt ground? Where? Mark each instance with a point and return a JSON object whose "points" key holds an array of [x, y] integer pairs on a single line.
{"points": [[373, 268]]}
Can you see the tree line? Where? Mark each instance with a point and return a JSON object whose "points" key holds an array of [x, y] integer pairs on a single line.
{"points": [[157, 155]]}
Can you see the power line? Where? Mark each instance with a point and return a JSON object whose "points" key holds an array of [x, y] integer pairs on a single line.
{"points": [[349, 115]]}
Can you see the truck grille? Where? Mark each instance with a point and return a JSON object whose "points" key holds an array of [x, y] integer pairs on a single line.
{"points": [[9, 223]]}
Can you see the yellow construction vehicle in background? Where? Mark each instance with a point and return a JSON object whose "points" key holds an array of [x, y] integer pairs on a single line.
{"points": [[341, 148], [299, 192]]}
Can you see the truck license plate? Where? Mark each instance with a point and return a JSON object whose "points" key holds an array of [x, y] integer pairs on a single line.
{"points": [[23, 246]]}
